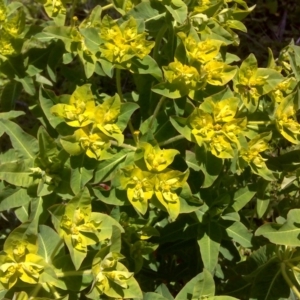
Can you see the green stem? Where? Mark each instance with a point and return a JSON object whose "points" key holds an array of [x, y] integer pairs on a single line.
{"points": [[288, 280], [53, 291], [156, 111], [271, 285], [238, 289], [126, 146], [119, 90], [73, 273], [55, 250], [108, 6], [35, 291], [293, 267], [266, 123], [73, 7], [296, 259], [118, 83], [172, 140], [278, 252], [158, 39]]}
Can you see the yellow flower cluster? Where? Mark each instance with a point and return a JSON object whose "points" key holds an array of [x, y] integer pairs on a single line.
{"points": [[11, 26], [204, 67], [96, 123], [218, 130], [108, 271], [19, 261], [158, 180], [123, 42]]}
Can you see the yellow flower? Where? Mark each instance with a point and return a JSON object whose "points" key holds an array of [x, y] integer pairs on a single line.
{"points": [[139, 185], [108, 271], [79, 112], [93, 144], [179, 74], [27, 267], [203, 51], [218, 73], [156, 159], [221, 146], [6, 43], [255, 146], [202, 125], [166, 189], [3, 11], [123, 42], [106, 115], [79, 227]]}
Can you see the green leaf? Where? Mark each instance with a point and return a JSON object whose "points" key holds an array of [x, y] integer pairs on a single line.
{"points": [[22, 213], [105, 169], [242, 197], [170, 91], [201, 286], [127, 109], [188, 203], [26, 144], [191, 161], [178, 10], [56, 32], [261, 207], [9, 95], [152, 13], [47, 100], [238, 232], [147, 65], [50, 244], [180, 125], [286, 234], [222, 298], [209, 245], [76, 281], [91, 38], [11, 114], [11, 197], [89, 63], [210, 165], [9, 156], [82, 169], [164, 291], [27, 83], [47, 145], [153, 296], [36, 211], [107, 226], [113, 196], [17, 173]]}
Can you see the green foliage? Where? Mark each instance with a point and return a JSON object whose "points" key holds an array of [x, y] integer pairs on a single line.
{"points": [[140, 159]]}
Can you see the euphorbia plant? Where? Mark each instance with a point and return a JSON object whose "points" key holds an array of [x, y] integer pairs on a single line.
{"points": [[156, 165]]}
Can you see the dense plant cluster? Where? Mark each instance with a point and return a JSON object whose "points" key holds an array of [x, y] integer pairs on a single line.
{"points": [[142, 159]]}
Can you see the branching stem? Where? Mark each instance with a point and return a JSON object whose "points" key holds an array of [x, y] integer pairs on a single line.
{"points": [[158, 40], [126, 146], [266, 123], [35, 291], [172, 140], [108, 6], [156, 111], [118, 84], [293, 267], [73, 273], [288, 280], [119, 90], [72, 13], [53, 291]]}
